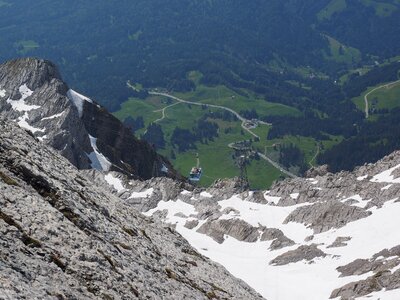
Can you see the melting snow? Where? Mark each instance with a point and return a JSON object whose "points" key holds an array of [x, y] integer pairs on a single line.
{"points": [[312, 281], [362, 177], [206, 195], [386, 176], [144, 194], [115, 182], [386, 187], [312, 180], [271, 199], [24, 124], [19, 105], [53, 116], [99, 161], [78, 99], [382, 295]]}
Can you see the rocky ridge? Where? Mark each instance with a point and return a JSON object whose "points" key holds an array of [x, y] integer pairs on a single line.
{"points": [[33, 94], [65, 237], [324, 224]]}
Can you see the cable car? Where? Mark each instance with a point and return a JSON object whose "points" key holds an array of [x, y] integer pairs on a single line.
{"points": [[196, 172]]}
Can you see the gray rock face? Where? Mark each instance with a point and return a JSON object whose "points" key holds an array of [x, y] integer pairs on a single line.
{"points": [[380, 281], [324, 216], [305, 252], [238, 229], [279, 239], [340, 242], [34, 95], [64, 237], [381, 264]]}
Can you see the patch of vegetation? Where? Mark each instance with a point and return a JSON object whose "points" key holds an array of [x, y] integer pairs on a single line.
{"points": [[342, 53], [26, 46], [333, 7], [4, 4]]}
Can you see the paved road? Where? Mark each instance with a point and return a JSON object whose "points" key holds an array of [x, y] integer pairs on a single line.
{"points": [[387, 85], [242, 119]]}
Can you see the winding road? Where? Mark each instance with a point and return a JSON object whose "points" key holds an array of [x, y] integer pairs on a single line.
{"points": [[387, 85], [242, 119]]}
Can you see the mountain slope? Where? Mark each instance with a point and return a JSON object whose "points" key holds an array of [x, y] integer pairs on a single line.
{"points": [[34, 95], [326, 236], [155, 43], [64, 237]]}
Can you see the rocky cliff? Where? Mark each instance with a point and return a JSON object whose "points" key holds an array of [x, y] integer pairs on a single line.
{"points": [[64, 237], [33, 94], [322, 237]]}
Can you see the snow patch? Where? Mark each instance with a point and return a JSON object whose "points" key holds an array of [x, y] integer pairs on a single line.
{"points": [[20, 105], [42, 138], [312, 180], [144, 194], [22, 122], [250, 261], [98, 160], [173, 208], [386, 187], [382, 295], [115, 182], [294, 196], [53, 116], [386, 176], [362, 177], [78, 99], [272, 199], [206, 195], [2, 93]]}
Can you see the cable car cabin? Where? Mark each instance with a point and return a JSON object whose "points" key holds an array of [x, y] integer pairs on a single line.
{"points": [[195, 174]]}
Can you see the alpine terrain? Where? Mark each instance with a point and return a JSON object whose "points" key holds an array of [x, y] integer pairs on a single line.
{"points": [[89, 212]]}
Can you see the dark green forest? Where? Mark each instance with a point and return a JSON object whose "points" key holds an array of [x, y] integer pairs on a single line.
{"points": [[291, 52]]}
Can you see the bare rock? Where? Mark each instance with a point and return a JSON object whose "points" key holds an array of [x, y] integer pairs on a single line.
{"points": [[190, 224], [340, 242], [304, 252], [236, 228], [324, 216]]}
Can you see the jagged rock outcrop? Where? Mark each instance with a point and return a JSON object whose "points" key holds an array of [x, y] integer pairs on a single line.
{"points": [[64, 237], [325, 227], [305, 252], [238, 229], [33, 94], [384, 280], [323, 216]]}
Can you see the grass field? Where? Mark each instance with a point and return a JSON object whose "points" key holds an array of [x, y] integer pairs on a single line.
{"points": [[334, 6], [25, 46], [4, 4], [342, 53], [385, 97], [215, 156], [221, 95]]}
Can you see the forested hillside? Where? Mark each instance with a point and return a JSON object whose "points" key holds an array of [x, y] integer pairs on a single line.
{"points": [[310, 57], [101, 46]]}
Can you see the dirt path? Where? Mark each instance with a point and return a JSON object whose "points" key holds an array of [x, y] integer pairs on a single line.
{"points": [[242, 119], [387, 85]]}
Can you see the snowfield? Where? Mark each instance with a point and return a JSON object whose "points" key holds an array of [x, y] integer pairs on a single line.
{"points": [[99, 161], [307, 280]]}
